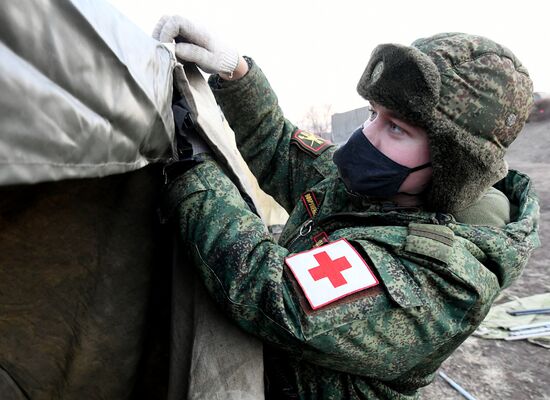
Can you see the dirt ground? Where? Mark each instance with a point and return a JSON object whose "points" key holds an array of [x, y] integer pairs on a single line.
{"points": [[494, 369]]}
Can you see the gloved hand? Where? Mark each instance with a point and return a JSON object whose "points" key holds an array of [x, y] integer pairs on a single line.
{"points": [[195, 44]]}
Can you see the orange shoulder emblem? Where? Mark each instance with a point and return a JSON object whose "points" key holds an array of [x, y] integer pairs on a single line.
{"points": [[310, 142]]}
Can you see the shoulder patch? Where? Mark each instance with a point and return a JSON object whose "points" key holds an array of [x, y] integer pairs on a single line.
{"points": [[330, 272], [310, 203], [309, 142]]}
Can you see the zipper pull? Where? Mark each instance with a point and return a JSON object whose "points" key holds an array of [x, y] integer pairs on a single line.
{"points": [[305, 229]]}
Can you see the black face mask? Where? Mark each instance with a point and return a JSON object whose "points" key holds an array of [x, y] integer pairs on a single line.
{"points": [[365, 170]]}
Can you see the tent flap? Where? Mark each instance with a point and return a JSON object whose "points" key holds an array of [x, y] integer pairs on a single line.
{"points": [[83, 92]]}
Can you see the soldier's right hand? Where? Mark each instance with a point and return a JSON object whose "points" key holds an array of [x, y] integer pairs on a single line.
{"points": [[195, 44]]}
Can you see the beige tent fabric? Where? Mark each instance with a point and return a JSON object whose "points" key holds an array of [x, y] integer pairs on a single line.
{"points": [[214, 359], [210, 357], [217, 132], [83, 92], [86, 93]]}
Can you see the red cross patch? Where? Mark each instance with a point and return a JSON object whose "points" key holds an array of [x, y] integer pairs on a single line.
{"points": [[330, 272]]}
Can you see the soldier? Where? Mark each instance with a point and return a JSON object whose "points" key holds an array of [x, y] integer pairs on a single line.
{"points": [[397, 243]]}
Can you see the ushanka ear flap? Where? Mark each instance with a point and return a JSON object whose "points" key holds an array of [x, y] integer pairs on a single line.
{"points": [[403, 79]]}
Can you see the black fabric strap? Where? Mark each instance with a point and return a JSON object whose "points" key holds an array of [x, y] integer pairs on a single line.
{"points": [[428, 164]]}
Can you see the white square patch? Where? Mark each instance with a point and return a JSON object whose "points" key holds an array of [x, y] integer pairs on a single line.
{"points": [[330, 272]]}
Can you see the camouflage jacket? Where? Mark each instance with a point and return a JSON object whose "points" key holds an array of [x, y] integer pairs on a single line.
{"points": [[437, 277]]}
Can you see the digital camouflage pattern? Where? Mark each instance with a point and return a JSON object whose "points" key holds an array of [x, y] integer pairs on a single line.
{"points": [[472, 96], [438, 276]]}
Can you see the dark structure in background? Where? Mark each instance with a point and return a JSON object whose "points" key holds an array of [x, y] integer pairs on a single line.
{"points": [[343, 124]]}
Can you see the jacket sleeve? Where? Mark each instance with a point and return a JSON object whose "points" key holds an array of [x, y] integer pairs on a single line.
{"points": [[285, 160], [383, 332]]}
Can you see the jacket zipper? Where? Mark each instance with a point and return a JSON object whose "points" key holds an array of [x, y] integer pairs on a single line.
{"points": [[304, 230]]}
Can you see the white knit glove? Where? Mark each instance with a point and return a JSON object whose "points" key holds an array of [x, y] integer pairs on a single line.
{"points": [[195, 44]]}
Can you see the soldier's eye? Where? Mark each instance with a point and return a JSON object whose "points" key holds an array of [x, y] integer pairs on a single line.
{"points": [[372, 115], [397, 129]]}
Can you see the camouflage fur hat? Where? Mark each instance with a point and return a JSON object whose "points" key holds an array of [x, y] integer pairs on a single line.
{"points": [[471, 95]]}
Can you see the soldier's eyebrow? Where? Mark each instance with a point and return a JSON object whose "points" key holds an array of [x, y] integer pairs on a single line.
{"points": [[393, 114]]}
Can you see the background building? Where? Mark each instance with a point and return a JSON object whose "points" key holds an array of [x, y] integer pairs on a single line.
{"points": [[343, 124]]}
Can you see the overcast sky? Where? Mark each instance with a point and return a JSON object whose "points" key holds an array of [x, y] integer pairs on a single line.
{"points": [[314, 52]]}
